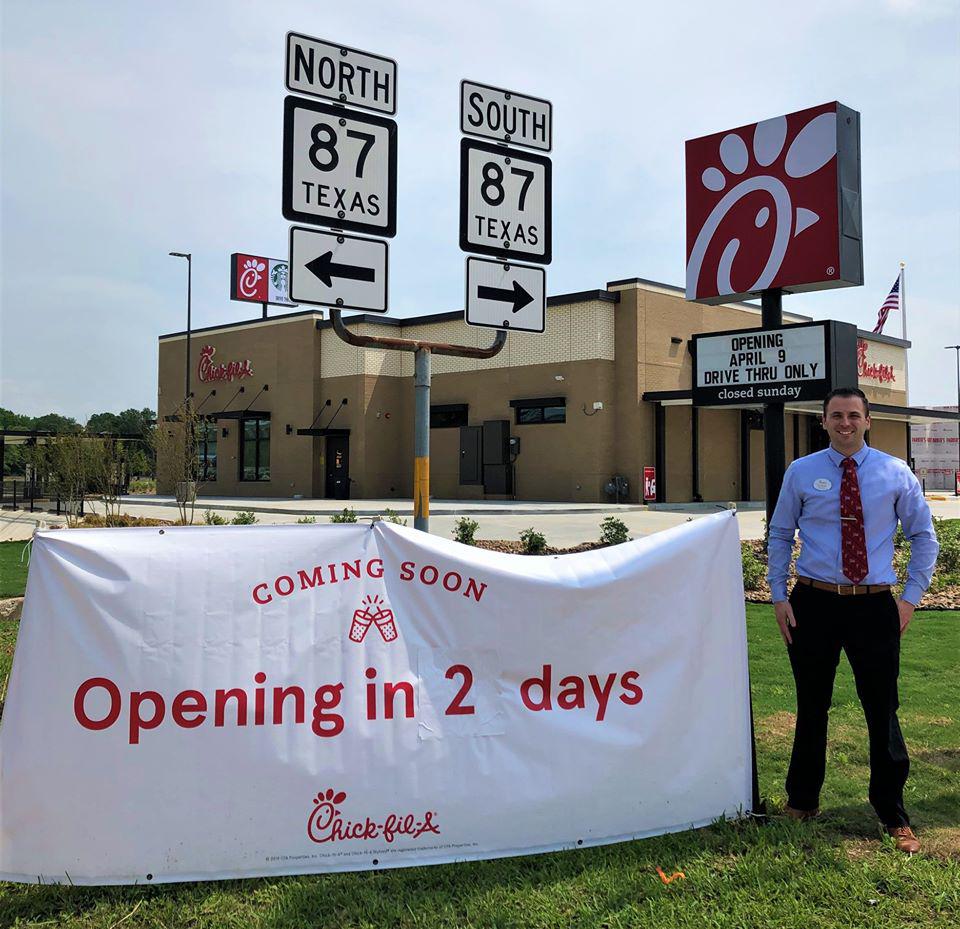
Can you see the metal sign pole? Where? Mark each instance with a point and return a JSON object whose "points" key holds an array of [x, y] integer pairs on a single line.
{"points": [[421, 440], [775, 453], [421, 383]]}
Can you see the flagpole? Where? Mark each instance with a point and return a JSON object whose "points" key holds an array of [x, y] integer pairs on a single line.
{"points": [[903, 329]]}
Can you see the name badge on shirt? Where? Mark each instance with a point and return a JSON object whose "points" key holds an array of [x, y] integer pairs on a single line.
{"points": [[821, 483]]}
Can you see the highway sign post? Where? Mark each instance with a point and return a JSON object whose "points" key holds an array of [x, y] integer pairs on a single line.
{"points": [[505, 202], [339, 167], [337, 270], [504, 295]]}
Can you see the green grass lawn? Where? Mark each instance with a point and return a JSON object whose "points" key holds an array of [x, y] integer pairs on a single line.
{"points": [[13, 572], [837, 872]]}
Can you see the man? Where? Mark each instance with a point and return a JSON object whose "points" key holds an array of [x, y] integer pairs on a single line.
{"points": [[846, 501]]}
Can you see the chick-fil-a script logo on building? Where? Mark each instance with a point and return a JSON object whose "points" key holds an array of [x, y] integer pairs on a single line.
{"points": [[209, 370], [764, 205]]}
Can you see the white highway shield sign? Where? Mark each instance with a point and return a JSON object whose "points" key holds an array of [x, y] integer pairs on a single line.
{"points": [[342, 271], [493, 113], [505, 205], [347, 75], [339, 168], [504, 295]]}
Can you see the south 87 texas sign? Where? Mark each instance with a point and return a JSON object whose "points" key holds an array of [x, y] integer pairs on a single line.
{"points": [[775, 205], [505, 202]]}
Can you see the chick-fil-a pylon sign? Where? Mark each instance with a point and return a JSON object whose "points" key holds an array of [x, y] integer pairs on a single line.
{"points": [[238, 701], [775, 204]]}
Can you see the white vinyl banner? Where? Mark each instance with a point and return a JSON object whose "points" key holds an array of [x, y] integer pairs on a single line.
{"points": [[198, 703]]}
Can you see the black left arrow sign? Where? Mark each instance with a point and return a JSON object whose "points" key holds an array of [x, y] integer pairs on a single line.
{"points": [[517, 296], [326, 269]]}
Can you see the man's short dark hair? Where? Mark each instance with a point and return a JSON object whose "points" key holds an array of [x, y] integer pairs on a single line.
{"points": [[847, 392]]}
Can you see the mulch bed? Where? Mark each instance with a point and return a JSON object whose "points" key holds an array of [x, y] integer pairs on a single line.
{"points": [[948, 598]]}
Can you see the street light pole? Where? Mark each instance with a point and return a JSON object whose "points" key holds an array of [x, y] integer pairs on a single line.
{"points": [[187, 255], [956, 486]]}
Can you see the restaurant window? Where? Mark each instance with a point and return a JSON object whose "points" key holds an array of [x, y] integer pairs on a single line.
{"points": [[540, 410], [206, 451], [448, 415], [255, 449]]}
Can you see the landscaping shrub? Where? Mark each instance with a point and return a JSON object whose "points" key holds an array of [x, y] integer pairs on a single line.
{"points": [[244, 518], [347, 516], [211, 518], [142, 485], [307, 520], [534, 543], [464, 529], [392, 516], [754, 569], [613, 531]]}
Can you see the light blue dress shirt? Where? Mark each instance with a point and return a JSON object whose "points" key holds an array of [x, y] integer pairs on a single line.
{"points": [[810, 501]]}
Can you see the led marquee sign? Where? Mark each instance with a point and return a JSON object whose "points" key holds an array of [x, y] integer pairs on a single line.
{"points": [[775, 204]]}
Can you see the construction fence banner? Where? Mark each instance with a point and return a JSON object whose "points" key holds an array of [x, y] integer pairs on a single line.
{"points": [[204, 703]]}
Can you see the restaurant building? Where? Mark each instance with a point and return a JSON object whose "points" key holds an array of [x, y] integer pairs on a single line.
{"points": [[291, 410]]}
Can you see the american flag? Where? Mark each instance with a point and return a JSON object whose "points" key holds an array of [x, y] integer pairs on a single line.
{"points": [[891, 303]]}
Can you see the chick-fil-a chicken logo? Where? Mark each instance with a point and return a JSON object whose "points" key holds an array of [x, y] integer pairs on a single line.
{"points": [[327, 824], [762, 205]]}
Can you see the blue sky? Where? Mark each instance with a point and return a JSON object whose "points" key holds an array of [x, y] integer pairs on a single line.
{"points": [[131, 129]]}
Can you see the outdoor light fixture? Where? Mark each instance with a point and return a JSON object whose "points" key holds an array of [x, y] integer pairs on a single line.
{"points": [[676, 340], [186, 255]]}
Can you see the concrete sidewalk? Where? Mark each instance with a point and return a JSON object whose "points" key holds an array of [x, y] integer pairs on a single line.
{"points": [[564, 524]]}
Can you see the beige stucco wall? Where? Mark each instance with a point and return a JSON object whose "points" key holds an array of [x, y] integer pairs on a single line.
{"points": [[603, 351]]}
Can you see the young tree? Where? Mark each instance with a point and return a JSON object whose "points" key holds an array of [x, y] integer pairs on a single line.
{"points": [[176, 444]]}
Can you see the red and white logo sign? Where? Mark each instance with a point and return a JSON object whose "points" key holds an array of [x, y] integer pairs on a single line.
{"points": [[762, 206], [260, 280]]}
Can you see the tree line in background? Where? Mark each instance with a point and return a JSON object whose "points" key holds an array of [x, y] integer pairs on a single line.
{"points": [[138, 458]]}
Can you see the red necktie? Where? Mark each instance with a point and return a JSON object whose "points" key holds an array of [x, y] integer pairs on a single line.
{"points": [[851, 525]]}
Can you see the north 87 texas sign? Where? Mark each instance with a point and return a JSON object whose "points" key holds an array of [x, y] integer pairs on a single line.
{"points": [[775, 204]]}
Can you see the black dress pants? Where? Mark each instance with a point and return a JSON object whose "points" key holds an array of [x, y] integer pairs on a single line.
{"points": [[867, 628]]}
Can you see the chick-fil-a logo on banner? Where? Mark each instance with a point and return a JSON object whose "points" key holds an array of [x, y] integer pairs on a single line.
{"points": [[327, 824], [762, 206]]}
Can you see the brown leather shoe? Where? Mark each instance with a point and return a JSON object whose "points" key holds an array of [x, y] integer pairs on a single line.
{"points": [[800, 815], [905, 840]]}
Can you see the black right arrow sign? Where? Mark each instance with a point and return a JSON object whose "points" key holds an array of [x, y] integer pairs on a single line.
{"points": [[325, 269], [518, 296]]}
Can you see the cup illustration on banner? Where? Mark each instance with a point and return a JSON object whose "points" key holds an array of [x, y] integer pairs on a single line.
{"points": [[373, 611]]}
